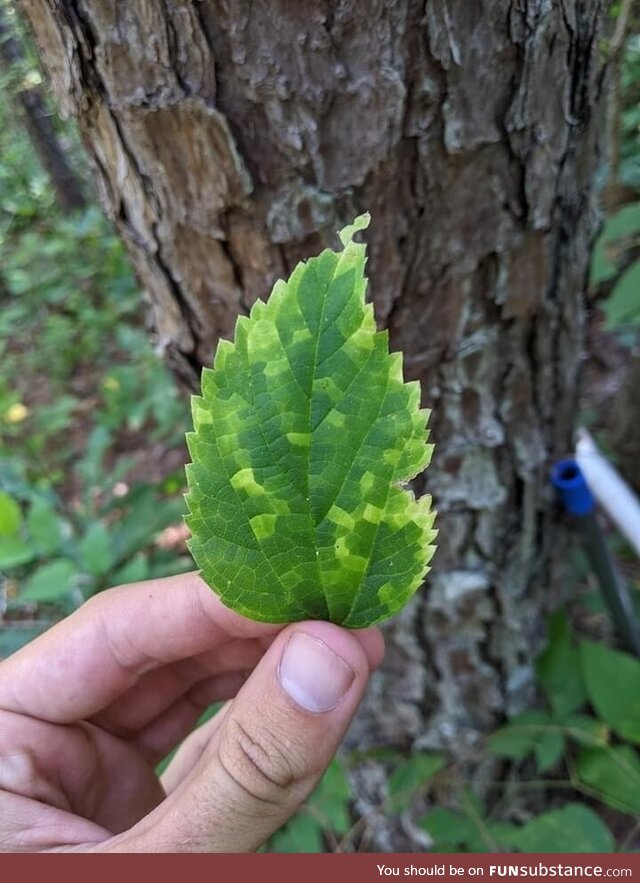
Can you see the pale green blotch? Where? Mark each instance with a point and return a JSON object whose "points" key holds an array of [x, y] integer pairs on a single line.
{"points": [[299, 439], [245, 480], [372, 514], [228, 444], [224, 349], [263, 526], [201, 414], [301, 334], [336, 419], [262, 340], [367, 481], [276, 370], [281, 507], [359, 345], [352, 563], [391, 457], [339, 516]]}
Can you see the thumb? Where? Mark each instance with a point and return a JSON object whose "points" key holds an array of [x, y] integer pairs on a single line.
{"points": [[273, 744]]}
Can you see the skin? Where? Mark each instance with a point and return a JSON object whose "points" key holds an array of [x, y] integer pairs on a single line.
{"points": [[88, 710]]}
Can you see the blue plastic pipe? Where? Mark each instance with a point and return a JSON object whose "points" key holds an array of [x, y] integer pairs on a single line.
{"points": [[579, 502]]}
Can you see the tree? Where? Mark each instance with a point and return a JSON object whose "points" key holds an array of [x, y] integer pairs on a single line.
{"points": [[231, 140], [31, 103]]}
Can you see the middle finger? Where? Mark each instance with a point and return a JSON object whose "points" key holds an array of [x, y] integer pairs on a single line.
{"points": [[160, 689]]}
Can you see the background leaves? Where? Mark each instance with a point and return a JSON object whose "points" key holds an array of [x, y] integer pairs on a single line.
{"points": [[613, 685]]}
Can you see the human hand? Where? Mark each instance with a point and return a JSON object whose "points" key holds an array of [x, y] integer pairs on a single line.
{"points": [[88, 709]]}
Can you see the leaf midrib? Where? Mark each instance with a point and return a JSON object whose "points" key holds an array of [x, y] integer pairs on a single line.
{"points": [[309, 430]]}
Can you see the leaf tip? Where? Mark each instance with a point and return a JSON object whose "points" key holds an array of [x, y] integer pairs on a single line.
{"points": [[348, 232]]}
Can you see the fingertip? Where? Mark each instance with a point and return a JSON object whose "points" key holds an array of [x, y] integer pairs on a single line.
{"points": [[372, 643]]}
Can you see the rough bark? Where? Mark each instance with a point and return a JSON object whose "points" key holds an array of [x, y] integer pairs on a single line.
{"points": [[32, 106], [232, 139]]}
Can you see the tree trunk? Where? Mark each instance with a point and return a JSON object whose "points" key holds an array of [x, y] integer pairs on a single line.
{"points": [[32, 105], [231, 140]]}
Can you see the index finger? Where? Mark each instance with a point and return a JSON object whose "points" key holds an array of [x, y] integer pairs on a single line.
{"points": [[95, 655]]}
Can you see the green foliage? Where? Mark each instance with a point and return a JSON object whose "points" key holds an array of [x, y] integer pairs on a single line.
{"points": [[323, 820], [80, 388], [44, 527], [305, 436], [95, 549], [326, 817], [573, 828], [51, 582], [10, 516], [623, 305], [544, 734], [529, 733], [613, 685], [456, 832], [562, 738], [613, 775], [558, 668], [630, 113], [412, 776], [619, 237], [72, 556], [618, 233]]}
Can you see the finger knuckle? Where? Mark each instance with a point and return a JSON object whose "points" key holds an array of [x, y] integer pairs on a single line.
{"points": [[258, 762]]}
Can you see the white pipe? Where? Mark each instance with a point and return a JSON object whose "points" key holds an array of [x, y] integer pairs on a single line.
{"points": [[609, 488]]}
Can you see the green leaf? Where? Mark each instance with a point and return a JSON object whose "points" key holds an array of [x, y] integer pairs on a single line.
{"points": [[411, 776], [602, 268], [148, 513], [504, 834], [43, 526], [96, 550], [549, 749], [446, 826], [623, 224], [326, 809], [454, 831], [558, 668], [614, 773], [585, 730], [613, 685], [302, 834], [617, 231], [519, 738], [14, 551], [622, 307], [51, 582], [10, 516], [305, 436], [574, 828], [330, 801], [134, 571]]}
